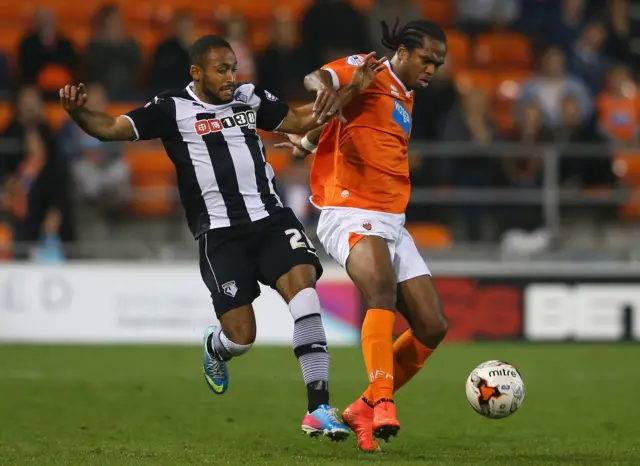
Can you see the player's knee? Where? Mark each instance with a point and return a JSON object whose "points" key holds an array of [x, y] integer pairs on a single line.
{"points": [[431, 332], [381, 294], [241, 335], [297, 279]]}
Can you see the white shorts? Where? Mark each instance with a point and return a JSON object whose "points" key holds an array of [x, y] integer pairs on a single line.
{"points": [[340, 228]]}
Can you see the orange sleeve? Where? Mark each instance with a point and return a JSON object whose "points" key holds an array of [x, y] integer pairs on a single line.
{"points": [[342, 70]]}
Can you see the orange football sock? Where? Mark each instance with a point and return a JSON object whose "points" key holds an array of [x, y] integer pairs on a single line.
{"points": [[409, 355], [377, 348]]}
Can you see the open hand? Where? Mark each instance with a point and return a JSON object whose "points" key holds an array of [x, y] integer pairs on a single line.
{"points": [[293, 143], [73, 97], [366, 71]]}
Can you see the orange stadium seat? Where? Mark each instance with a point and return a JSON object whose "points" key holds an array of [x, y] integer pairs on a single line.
{"points": [[362, 5], [79, 35], [53, 76], [503, 50], [468, 79], [508, 85], [440, 11], [10, 38], [279, 159], [459, 49], [56, 115], [6, 114], [430, 235], [153, 181], [627, 166]]}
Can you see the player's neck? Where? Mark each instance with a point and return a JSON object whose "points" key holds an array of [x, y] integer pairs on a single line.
{"points": [[394, 66]]}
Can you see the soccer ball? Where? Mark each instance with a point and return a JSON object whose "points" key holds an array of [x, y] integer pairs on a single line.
{"points": [[495, 389]]}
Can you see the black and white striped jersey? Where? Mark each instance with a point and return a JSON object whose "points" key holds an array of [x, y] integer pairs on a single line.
{"points": [[222, 173]]}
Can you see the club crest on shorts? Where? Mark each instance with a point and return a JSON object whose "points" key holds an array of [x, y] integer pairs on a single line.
{"points": [[230, 289], [367, 226]]}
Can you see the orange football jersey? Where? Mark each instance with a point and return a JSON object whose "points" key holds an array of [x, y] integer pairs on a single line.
{"points": [[363, 163]]}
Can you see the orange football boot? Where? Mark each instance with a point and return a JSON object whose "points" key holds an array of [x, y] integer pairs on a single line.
{"points": [[385, 423], [359, 417]]}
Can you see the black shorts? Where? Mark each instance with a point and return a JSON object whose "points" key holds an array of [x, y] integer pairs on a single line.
{"points": [[234, 259]]}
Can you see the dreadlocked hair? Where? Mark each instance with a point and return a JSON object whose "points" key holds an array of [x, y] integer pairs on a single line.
{"points": [[411, 34]]}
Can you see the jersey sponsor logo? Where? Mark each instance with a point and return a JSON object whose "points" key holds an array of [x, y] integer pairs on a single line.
{"points": [[242, 119], [402, 116], [354, 60], [230, 289]]}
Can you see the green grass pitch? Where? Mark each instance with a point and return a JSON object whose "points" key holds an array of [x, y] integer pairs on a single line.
{"points": [[150, 406]]}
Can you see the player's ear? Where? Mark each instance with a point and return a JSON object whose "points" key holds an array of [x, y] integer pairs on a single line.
{"points": [[403, 52], [195, 73]]}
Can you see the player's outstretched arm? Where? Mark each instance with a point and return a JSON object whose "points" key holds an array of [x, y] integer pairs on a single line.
{"points": [[301, 146], [97, 124], [306, 118]]}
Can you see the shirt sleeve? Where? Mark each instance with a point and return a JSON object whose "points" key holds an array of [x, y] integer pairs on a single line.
{"points": [[272, 111], [154, 120], [342, 70]]}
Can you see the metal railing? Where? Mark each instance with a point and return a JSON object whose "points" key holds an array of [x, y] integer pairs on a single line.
{"points": [[550, 196]]}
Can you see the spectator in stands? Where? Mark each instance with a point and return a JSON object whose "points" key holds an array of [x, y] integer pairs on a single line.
{"points": [[389, 11], [564, 23], [49, 248], [623, 37], [101, 175], [113, 56], [433, 104], [577, 171], [234, 30], [35, 169], [550, 85], [471, 122], [171, 63], [281, 67], [521, 224], [617, 107], [332, 29], [475, 17], [45, 45], [587, 58]]}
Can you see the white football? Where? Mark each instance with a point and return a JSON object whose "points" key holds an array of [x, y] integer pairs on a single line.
{"points": [[495, 389]]}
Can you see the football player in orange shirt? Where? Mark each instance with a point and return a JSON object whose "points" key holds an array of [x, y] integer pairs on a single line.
{"points": [[360, 180]]}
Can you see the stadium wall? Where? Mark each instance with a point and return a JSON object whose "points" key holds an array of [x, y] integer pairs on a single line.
{"points": [[167, 303]]}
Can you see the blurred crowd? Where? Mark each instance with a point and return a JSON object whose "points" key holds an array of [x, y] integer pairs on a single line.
{"points": [[572, 80]]}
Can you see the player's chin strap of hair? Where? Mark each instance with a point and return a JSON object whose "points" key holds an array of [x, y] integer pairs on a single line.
{"points": [[308, 145]]}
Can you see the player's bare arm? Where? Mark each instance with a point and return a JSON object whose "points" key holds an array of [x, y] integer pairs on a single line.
{"points": [[97, 124], [308, 117], [301, 146]]}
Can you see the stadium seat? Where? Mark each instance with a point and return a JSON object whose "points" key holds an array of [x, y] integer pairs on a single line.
{"points": [[53, 76], [503, 50], [440, 11], [468, 79], [507, 85], [153, 181], [56, 115], [279, 159], [459, 49], [627, 167], [6, 241], [10, 38], [6, 114], [430, 235]]}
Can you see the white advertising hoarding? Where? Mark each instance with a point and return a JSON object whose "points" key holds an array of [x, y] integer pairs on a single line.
{"points": [[120, 303]]}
